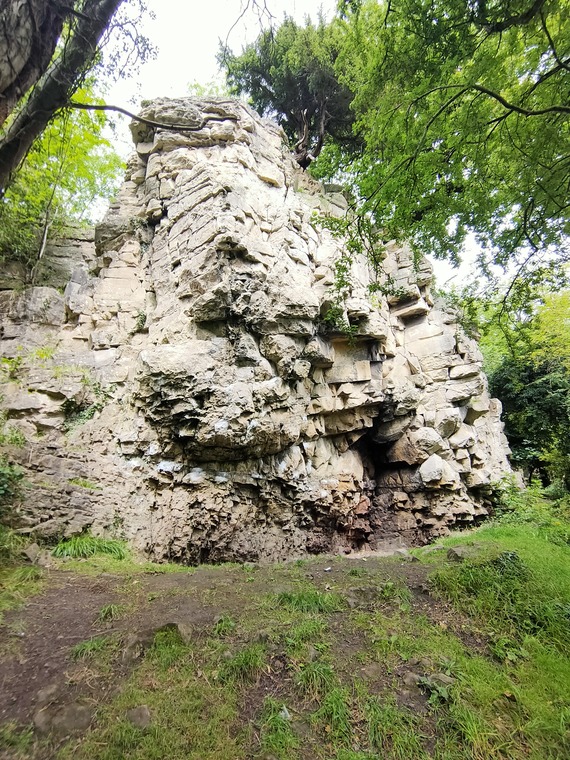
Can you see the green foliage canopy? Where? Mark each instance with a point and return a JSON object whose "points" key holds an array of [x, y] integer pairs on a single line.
{"points": [[289, 74], [527, 359], [464, 110], [67, 170]]}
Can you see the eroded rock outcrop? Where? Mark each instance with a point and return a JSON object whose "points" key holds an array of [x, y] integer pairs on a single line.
{"points": [[187, 392]]}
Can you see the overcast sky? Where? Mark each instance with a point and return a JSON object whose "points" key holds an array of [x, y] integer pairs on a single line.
{"points": [[187, 36]]}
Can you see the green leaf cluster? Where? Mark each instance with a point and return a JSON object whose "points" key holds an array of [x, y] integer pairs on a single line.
{"points": [[68, 170], [527, 359], [289, 74], [464, 111]]}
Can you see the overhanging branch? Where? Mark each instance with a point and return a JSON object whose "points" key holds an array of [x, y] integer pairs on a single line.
{"points": [[142, 120]]}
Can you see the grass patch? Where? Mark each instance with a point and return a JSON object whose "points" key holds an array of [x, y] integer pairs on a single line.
{"points": [[82, 547], [224, 626], [110, 612], [277, 736], [167, 649], [11, 545], [392, 731], [84, 483], [523, 590], [334, 715], [244, 666], [17, 584], [192, 716], [314, 679], [87, 650], [310, 600], [15, 739]]}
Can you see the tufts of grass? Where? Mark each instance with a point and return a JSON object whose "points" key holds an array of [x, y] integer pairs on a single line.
{"points": [[392, 731], [15, 739], [224, 626], [309, 630], [310, 600], [315, 679], [17, 583], [167, 649], [86, 650], [508, 593], [389, 591], [244, 666], [357, 572], [110, 612], [82, 547], [84, 483], [11, 545], [334, 715], [277, 736], [27, 574]]}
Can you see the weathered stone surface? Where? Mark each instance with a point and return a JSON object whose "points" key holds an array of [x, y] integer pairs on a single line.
{"points": [[185, 392]]}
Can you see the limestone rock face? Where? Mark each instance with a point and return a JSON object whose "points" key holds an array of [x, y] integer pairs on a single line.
{"points": [[186, 390]]}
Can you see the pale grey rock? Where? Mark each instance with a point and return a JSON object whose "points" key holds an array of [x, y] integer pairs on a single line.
{"points": [[188, 373]]}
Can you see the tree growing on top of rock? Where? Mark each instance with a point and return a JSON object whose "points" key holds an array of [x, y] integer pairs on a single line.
{"points": [[289, 74]]}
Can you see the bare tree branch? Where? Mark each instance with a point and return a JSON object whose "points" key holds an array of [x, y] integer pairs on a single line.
{"points": [[150, 122]]}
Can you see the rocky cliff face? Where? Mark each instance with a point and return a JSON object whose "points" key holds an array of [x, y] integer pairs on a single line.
{"points": [[187, 393]]}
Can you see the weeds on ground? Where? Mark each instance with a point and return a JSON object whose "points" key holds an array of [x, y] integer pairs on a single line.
{"points": [[392, 731], [314, 679], [110, 612], [334, 715], [193, 716], [523, 590], [310, 600], [167, 649], [224, 626], [307, 631], [17, 581], [15, 739], [244, 666], [277, 736], [81, 547], [86, 650]]}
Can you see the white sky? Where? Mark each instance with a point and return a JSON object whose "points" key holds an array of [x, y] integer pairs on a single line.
{"points": [[187, 36]]}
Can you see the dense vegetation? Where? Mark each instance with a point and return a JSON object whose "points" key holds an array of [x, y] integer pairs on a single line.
{"points": [[67, 170], [461, 123]]}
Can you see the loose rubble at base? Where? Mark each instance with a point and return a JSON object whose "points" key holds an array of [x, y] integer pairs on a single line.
{"points": [[178, 385]]}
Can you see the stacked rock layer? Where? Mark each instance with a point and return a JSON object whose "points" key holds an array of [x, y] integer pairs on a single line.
{"points": [[189, 392]]}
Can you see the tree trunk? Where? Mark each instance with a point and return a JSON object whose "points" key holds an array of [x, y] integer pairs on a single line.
{"points": [[54, 89], [29, 31]]}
